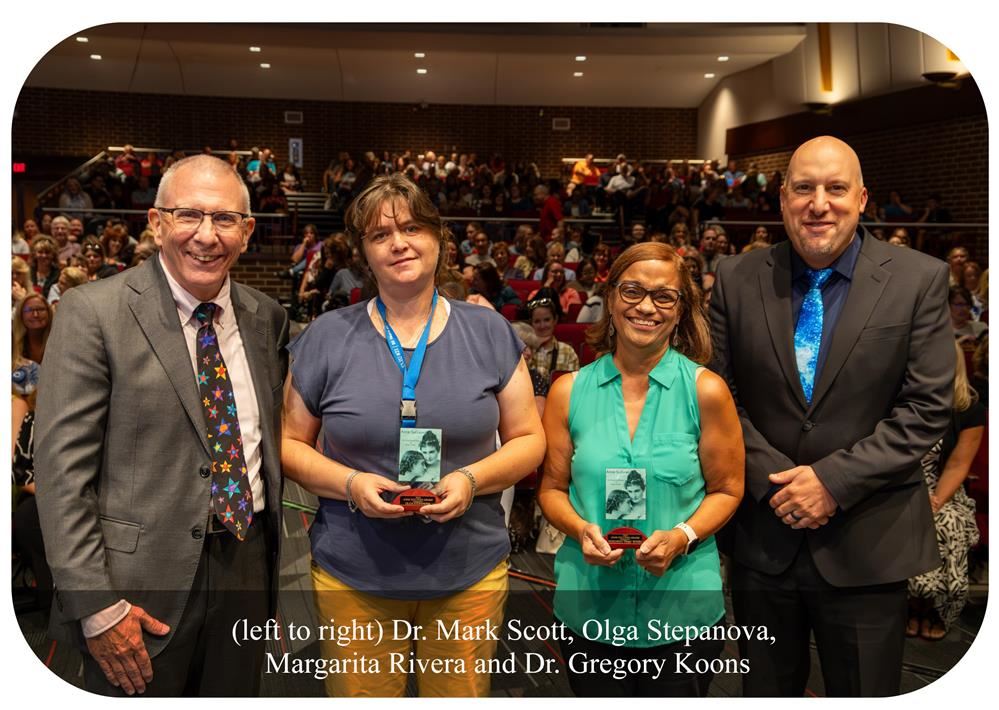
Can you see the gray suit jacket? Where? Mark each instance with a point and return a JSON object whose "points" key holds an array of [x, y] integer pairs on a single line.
{"points": [[882, 400], [121, 457]]}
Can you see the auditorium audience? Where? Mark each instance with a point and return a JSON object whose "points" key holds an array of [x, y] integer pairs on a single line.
{"points": [[936, 598]]}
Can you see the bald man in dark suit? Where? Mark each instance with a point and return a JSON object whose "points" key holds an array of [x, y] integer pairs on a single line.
{"points": [[838, 350]]}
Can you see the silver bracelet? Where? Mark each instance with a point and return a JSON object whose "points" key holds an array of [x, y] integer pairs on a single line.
{"points": [[351, 505], [475, 486]]}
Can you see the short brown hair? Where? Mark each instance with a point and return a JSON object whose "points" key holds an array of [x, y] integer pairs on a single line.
{"points": [[691, 336], [365, 208]]}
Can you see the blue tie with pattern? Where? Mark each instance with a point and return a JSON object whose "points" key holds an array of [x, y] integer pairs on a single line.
{"points": [[232, 500], [808, 333]]}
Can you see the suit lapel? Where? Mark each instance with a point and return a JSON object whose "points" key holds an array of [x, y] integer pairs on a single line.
{"points": [[775, 290], [153, 307], [868, 283]]}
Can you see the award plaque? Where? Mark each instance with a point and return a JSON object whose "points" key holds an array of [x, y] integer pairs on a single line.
{"points": [[625, 538], [415, 498]]}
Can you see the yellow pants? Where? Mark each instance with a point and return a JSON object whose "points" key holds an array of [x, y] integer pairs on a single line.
{"points": [[444, 666]]}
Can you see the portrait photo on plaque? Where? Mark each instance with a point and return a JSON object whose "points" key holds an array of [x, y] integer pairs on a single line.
{"points": [[625, 493], [420, 457]]}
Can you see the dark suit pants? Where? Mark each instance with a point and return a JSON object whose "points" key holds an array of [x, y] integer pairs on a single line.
{"points": [[201, 659], [859, 631]]}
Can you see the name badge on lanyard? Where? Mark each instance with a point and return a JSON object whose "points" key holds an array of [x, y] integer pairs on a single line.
{"points": [[419, 449]]}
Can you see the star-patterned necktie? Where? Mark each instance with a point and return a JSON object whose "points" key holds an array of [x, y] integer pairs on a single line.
{"points": [[808, 332], [232, 500]]}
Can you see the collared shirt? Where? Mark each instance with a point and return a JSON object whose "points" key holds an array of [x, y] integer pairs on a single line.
{"points": [[834, 293], [236, 363]]}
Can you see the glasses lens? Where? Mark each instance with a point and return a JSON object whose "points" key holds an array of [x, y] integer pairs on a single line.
{"points": [[665, 298], [631, 293], [226, 221], [188, 218]]}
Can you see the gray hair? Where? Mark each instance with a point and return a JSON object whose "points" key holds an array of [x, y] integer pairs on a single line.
{"points": [[208, 164]]}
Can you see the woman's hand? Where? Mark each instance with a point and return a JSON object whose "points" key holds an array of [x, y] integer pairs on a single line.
{"points": [[366, 490], [657, 553], [17, 291], [455, 492], [596, 549]]}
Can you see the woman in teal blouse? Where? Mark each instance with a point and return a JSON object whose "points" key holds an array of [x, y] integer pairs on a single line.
{"points": [[646, 412]]}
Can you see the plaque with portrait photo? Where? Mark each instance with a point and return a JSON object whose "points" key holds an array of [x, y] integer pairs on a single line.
{"points": [[419, 466]]}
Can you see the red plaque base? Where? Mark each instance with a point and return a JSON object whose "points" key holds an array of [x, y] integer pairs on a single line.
{"points": [[415, 498], [625, 538]]}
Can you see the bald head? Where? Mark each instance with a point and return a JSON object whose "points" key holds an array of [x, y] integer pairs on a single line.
{"points": [[826, 146], [203, 164]]}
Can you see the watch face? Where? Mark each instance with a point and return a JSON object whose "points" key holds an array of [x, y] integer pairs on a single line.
{"points": [[692, 545]]}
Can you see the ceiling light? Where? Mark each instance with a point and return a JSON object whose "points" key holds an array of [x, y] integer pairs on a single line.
{"points": [[82, 39], [96, 56], [723, 58], [265, 65], [420, 55], [709, 76], [254, 49], [580, 58], [577, 74], [421, 71]]}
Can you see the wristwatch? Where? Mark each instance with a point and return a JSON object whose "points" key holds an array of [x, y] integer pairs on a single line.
{"points": [[692, 539]]}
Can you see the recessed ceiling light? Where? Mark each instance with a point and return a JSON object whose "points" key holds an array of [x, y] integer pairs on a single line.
{"points": [[723, 58], [420, 55], [421, 71], [82, 39], [254, 49], [265, 65], [577, 74], [96, 56], [581, 58], [709, 76]]}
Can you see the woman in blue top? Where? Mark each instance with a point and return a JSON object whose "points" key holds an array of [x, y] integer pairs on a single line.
{"points": [[644, 438], [376, 378]]}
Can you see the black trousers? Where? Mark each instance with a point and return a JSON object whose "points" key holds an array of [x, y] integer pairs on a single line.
{"points": [[232, 583], [859, 631], [674, 682]]}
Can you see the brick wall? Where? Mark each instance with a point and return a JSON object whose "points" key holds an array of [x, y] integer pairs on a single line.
{"points": [[81, 123]]}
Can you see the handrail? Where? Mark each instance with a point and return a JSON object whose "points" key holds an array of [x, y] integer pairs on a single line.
{"points": [[916, 225], [121, 149], [113, 211], [45, 193], [643, 161]]}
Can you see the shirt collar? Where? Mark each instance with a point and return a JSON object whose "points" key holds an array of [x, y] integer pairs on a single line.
{"points": [[186, 303], [664, 372], [843, 266]]}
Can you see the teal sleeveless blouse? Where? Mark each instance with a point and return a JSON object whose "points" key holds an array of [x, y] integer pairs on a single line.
{"points": [[625, 596]]}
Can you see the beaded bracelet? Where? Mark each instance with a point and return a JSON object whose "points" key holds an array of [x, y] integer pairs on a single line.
{"points": [[351, 505]]}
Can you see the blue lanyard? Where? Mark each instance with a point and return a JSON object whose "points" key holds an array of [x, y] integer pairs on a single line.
{"points": [[410, 374]]}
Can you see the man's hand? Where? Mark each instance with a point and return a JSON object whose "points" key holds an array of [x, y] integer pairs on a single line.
{"points": [[121, 653], [803, 501], [596, 549]]}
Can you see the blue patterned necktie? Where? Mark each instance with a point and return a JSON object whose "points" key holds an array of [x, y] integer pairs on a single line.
{"points": [[808, 333], [232, 500]]}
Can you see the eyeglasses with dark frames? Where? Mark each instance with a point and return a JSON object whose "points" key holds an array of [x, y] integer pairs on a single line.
{"points": [[190, 219], [633, 294]]}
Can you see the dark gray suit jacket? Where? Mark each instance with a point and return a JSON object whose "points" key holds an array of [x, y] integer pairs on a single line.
{"points": [[882, 400], [121, 456]]}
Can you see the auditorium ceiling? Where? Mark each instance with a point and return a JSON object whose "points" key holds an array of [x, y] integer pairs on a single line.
{"points": [[633, 64]]}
